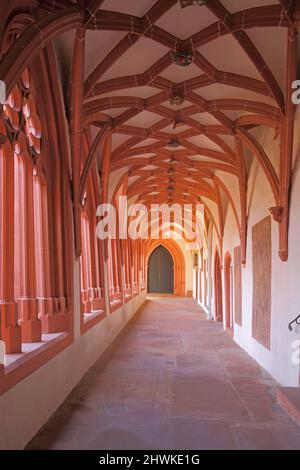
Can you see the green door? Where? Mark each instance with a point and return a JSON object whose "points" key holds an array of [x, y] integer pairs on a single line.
{"points": [[161, 272]]}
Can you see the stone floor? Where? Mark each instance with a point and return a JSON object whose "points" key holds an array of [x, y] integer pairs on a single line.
{"points": [[172, 381]]}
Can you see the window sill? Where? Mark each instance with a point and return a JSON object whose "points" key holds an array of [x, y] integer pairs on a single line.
{"points": [[34, 355], [28, 349], [115, 304], [91, 319]]}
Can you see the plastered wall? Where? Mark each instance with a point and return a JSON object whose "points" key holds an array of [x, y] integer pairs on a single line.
{"points": [[285, 276]]}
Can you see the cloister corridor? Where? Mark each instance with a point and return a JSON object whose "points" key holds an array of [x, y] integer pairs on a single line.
{"points": [[172, 380], [149, 225]]}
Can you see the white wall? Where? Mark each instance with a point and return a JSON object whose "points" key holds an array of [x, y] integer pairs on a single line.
{"points": [[285, 275], [29, 404], [285, 287], [189, 263]]}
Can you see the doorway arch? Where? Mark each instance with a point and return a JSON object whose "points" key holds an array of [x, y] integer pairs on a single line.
{"points": [[178, 260], [218, 288], [228, 291], [160, 271]]}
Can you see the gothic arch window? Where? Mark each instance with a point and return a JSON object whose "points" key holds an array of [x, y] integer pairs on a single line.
{"points": [[31, 304], [22, 128]]}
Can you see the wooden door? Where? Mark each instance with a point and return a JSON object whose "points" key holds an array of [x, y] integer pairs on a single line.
{"points": [[161, 272]]}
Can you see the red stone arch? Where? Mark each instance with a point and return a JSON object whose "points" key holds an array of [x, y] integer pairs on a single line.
{"points": [[37, 212], [178, 260]]}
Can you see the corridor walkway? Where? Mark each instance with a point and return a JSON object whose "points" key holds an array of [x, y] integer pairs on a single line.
{"points": [[172, 381]]}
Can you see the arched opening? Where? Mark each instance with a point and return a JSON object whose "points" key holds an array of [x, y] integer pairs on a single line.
{"points": [[218, 289], [178, 261], [161, 271], [228, 291]]}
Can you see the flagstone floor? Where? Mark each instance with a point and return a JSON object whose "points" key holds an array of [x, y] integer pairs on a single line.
{"points": [[173, 380]]}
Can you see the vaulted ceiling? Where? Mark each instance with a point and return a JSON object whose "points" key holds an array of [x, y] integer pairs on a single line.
{"points": [[178, 84], [185, 88]]}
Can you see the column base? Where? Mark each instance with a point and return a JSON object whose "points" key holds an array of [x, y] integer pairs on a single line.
{"points": [[99, 293], [97, 304], [45, 306], [62, 304], [30, 325], [56, 323], [31, 331], [52, 322], [11, 334], [87, 306], [118, 296]]}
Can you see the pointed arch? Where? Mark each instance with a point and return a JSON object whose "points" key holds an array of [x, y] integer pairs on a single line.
{"points": [[178, 260]]}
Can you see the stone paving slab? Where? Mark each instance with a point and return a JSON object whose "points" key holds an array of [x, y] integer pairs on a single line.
{"points": [[173, 380]]}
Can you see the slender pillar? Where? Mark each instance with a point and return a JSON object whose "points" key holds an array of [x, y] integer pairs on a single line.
{"points": [[242, 175], [107, 244], [10, 332], [210, 272], [100, 246], [110, 268], [127, 265], [85, 264], [43, 277], [76, 126], [27, 301], [130, 264], [115, 267], [286, 154], [95, 292], [119, 267]]}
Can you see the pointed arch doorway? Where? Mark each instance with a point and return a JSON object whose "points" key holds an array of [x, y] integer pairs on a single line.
{"points": [[178, 262], [160, 271]]}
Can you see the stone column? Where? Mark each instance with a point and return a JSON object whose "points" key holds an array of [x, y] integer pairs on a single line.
{"points": [[43, 277], [119, 269], [85, 265], [210, 273], [10, 332], [27, 301]]}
